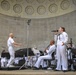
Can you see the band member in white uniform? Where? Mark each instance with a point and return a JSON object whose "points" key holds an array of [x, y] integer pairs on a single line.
{"points": [[48, 56], [62, 39], [11, 44]]}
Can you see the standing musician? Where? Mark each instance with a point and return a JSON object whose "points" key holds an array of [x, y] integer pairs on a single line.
{"points": [[11, 44], [61, 38], [48, 56]]}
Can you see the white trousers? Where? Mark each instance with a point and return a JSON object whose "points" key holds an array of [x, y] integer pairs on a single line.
{"points": [[12, 56], [61, 58], [40, 60]]}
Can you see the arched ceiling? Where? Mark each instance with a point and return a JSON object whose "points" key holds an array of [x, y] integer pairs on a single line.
{"points": [[36, 8]]}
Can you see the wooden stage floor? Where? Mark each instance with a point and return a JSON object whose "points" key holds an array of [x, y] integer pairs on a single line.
{"points": [[35, 72]]}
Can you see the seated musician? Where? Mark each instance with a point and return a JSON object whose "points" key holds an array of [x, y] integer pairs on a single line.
{"points": [[3, 59], [48, 56]]}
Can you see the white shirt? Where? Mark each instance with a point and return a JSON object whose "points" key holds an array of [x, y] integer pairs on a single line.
{"points": [[10, 42], [51, 49], [62, 38]]}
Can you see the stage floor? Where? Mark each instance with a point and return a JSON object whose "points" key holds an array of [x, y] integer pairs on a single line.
{"points": [[35, 72]]}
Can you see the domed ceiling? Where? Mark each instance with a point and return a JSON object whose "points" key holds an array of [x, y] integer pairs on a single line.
{"points": [[36, 8]]}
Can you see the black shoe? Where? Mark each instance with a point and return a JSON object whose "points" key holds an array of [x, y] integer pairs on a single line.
{"points": [[35, 68], [57, 70], [65, 70], [29, 67], [44, 68]]}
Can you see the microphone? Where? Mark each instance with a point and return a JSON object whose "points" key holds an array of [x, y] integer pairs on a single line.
{"points": [[54, 31]]}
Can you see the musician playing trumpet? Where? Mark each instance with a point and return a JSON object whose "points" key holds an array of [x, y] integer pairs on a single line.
{"points": [[48, 56]]}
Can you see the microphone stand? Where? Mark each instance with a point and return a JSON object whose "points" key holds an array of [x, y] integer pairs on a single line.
{"points": [[28, 24], [71, 55]]}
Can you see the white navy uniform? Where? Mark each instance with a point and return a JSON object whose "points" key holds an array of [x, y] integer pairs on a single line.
{"points": [[61, 51], [48, 56], [11, 51], [3, 61]]}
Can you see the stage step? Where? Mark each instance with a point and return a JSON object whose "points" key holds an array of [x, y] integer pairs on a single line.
{"points": [[36, 72]]}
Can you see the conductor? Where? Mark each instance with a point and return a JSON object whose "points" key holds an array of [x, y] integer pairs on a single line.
{"points": [[11, 44]]}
